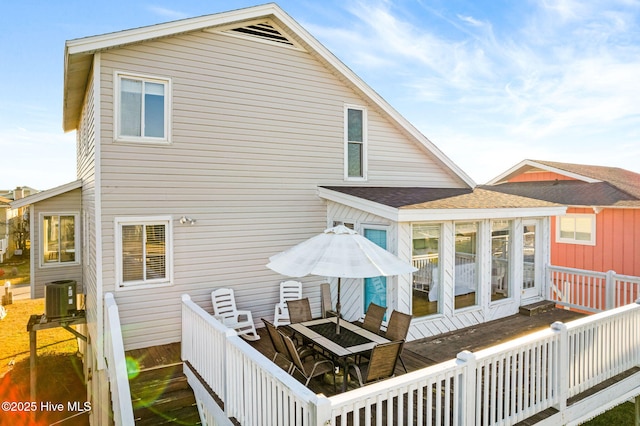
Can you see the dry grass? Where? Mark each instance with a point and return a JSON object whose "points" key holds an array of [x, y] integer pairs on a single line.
{"points": [[15, 270], [59, 379]]}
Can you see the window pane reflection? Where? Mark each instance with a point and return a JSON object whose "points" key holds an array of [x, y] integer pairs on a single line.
{"points": [[426, 256]]}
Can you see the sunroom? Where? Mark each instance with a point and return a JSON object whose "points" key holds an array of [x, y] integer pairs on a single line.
{"points": [[480, 254]]}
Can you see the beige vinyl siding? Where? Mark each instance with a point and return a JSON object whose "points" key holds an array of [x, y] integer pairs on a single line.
{"points": [[255, 129], [86, 171], [66, 203]]}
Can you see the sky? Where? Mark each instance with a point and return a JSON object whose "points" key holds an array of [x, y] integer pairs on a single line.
{"points": [[490, 82]]}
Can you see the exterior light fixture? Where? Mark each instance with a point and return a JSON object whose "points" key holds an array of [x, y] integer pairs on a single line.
{"points": [[185, 219]]}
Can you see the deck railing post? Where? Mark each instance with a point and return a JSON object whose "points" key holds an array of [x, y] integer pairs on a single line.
{"points": [[185, 346], [467, 393], [610, 290], [561, 382], [232, 366], [323, 412]]}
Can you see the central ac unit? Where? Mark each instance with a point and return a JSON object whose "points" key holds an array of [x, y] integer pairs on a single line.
{"points": [[60, 298]]}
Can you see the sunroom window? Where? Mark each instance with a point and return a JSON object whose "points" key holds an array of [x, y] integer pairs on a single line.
{"points": [[466, 265], [426, 257], [500, 258]]}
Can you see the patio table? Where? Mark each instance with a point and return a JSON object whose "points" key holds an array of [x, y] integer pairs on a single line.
{"points": [[352, 340]]}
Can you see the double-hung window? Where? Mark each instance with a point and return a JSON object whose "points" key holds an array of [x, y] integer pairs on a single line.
{"points": [[576, 229], [142, 108], [355, 143], [59, 239], [143, 251]]}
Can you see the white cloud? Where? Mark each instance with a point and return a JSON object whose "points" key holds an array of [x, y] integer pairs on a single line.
{"points": [[565, 10], [470, 20], [556, 87]]}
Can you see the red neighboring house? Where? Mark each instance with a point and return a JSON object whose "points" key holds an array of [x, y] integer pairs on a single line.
{"points": [[601, 229]]}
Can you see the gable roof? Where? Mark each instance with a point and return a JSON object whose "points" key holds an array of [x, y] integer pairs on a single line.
{"points": [[44, 195], [418, 203], [570, 192], [267, 22], [593, 185]]}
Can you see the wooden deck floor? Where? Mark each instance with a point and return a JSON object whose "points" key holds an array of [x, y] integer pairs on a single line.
{"points": [[417, 354], [422, 353], [443, 347]]}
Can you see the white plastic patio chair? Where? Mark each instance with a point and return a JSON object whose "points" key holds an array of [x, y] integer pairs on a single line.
{"points": [[289, 290], [224, 308], [497, 282]]}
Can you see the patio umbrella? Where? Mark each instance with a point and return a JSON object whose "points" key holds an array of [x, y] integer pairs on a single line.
{"points": [[341, 253]]}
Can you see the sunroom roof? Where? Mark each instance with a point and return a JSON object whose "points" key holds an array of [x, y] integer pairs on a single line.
{"points": [[440, 198], [410, 204]]}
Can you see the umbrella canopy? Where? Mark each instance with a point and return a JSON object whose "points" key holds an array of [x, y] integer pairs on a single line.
{"points": [[338, 252]]}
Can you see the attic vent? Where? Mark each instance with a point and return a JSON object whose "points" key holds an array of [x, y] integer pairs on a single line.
{"points": [[264, 31]]}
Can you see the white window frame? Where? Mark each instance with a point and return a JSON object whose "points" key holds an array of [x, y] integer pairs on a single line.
{"points": [[118, 76], [144, 221], [76, 242], [574, 216], [365, 126], [476, 263], [440, 274], [507, 282]]}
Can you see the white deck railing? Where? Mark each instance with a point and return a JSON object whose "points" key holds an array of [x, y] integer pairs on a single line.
{"points": [[602, 346], [500, 385], [589, 290], [254, 390], [429, 396], [116, 365]]}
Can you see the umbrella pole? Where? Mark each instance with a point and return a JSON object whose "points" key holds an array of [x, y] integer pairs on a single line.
{"points": [[338, 309]]}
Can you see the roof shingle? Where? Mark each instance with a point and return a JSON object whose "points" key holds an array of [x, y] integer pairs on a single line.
{"points": [[573, 192], [622, 179], [440, 198]]}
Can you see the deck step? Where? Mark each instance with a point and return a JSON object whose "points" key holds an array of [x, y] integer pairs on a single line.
{"points": [[162, 396], [537, 308], [177, 407], [157, 381], [538, 417]]}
